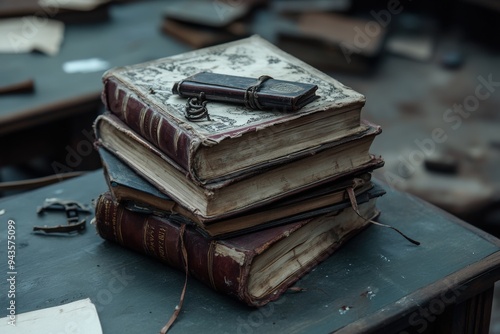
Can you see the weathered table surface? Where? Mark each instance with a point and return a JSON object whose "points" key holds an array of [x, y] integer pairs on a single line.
{"points": [[376, 281]]}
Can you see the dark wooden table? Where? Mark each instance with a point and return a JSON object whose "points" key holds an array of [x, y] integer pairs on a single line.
{"points": [[378, 282]]}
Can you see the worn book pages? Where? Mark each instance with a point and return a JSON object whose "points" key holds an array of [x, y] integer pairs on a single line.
{"points": [[136, 194], [296, 173], [255, 268], [76, 317]]}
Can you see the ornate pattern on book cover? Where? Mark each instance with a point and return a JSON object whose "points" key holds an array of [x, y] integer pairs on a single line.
{"points": [[141, 96]]}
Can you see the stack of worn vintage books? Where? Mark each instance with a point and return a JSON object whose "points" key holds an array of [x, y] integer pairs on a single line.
{"points": [[238, 163]]}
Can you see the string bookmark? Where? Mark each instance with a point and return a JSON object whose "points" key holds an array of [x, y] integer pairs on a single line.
{"points": [[178, 307], [354, 205]]}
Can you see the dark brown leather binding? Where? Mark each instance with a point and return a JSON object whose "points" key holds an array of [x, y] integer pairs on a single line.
{"points": [[224, 265], [140, 95], [256, 93]]}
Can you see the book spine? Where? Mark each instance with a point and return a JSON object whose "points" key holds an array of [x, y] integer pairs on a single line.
{"points": [[161, 239], [157, 129]]}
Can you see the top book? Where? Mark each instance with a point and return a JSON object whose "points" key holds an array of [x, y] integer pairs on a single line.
{"points": [[236, 140]]}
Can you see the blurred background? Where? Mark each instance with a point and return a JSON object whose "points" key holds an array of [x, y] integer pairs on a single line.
{"points": [[430, 71]]}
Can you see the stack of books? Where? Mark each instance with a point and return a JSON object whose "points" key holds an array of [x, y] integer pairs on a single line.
{"points": [[247, 201]]}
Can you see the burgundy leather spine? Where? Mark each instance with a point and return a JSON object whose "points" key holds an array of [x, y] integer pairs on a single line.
{"points": [[160, 238], [144, 120]]}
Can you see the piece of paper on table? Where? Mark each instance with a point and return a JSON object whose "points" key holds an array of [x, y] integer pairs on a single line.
{"points": [[83, 5], [86, 65], [28, 33], [76, 317]]}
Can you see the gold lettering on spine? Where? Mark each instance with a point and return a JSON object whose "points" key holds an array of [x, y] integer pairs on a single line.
{"points": [[161, 243], [149, 236], [106, 213], [114, 221]]}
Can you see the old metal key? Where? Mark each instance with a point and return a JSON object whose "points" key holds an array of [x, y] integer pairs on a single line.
{"points": [[72, 209]]}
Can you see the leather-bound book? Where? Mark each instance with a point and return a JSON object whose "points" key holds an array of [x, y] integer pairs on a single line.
{"points": [[255, 268], [296, 173], [235, 139], [136, 194]]}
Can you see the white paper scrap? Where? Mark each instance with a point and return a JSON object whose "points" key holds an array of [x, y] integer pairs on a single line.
{"points": [[76, 317]]}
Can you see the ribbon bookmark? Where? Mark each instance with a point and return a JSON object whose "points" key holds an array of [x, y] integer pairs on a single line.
{"points": [[354, 204], [178, 307]]}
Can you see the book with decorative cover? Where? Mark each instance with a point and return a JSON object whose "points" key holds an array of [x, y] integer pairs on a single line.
{"points": [[255, 268], [236, 140], [136, 194]]}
